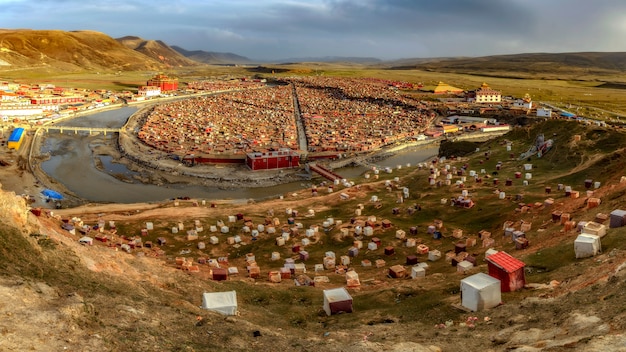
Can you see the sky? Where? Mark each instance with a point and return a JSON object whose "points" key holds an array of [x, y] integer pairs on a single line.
{"points": [[383, 29]]}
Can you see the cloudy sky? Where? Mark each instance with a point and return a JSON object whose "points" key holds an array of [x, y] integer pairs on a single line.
{"points": [[385, 29]]}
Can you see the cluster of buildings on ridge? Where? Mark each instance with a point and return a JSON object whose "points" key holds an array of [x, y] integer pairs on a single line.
{"points": [[485, 101]]}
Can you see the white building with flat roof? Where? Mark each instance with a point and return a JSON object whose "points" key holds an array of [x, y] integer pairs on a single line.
{"points": [[544, 112]]}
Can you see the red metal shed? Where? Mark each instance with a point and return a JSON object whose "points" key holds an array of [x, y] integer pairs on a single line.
{"points": [[507, 269]]}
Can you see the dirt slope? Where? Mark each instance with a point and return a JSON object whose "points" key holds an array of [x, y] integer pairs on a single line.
{"points": [[70, 51]]}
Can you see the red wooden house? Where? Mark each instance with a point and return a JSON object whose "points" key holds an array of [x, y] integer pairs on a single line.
{"points": [[281, 159], [507, 269]]}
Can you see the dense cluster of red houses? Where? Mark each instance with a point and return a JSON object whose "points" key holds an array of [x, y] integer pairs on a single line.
{"points": [[259, 127]]}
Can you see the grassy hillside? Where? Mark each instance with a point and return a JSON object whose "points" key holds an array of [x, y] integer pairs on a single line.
{"points": [[136, 302]]}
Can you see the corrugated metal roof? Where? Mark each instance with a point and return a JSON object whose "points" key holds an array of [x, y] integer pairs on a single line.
{"points": [[505, 261]]}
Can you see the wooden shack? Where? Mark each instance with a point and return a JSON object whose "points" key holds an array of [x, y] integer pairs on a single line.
{"points": [[219, 274], [507, 269], [397, 271]]}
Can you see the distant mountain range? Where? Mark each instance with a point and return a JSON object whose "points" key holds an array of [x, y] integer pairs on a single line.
{"points": [[157, 50], [331, 59], [70, 51], [211, 57], [589, 63]]}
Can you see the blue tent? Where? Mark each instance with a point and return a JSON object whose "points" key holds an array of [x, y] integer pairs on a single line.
{"points": [[52, 194]]}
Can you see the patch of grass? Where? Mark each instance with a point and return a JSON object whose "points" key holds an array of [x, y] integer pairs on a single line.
{"points": [[550, 259]]}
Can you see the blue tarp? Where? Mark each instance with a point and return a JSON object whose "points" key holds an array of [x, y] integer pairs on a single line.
{"points": [[52, 194], [16, 134]]}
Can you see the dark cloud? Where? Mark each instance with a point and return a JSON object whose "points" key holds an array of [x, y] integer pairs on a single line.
{"points": [[381, 28]]}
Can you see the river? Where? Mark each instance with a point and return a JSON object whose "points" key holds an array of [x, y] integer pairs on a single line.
{"points": [[71, 163]]}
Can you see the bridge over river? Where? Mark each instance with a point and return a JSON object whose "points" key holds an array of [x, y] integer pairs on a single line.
{"points": [[324, 172], [91, 130]]}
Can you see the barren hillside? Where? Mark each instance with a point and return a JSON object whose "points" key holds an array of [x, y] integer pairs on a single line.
{"points": [[158, 51], [69, 51]]}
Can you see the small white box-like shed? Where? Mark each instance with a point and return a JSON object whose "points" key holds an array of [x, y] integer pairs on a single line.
{"points": [[221, 302], [337, 300], [587, 245], [480, 291], [418, 271], [86, 240], [464, 266]]}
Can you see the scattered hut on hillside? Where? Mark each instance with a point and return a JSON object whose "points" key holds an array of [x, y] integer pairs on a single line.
{"points": [[480, 291], [587, 245], [508, 269], [221, 302], [337, 300]]}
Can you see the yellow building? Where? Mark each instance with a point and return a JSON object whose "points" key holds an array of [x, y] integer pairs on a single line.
{"points": [[443, 88]]}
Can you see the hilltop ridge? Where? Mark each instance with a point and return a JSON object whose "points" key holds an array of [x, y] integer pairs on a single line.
{"points": [[158, 50], [69, 51], [63, 51]]}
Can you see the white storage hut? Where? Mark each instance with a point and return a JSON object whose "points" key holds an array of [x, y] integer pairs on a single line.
{"points": [[587, 245], [480, 291], [221, 302]]}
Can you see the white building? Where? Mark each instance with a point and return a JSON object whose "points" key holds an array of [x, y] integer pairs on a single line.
{"points": [[21, 111], [544, 112], [469, 119], [149, 91], [487, 95], [525, 103], [8, 96]]}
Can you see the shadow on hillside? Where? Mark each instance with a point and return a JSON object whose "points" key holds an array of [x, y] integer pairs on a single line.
{"points": [[612, 85], [263, 69], [125, 85]]}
